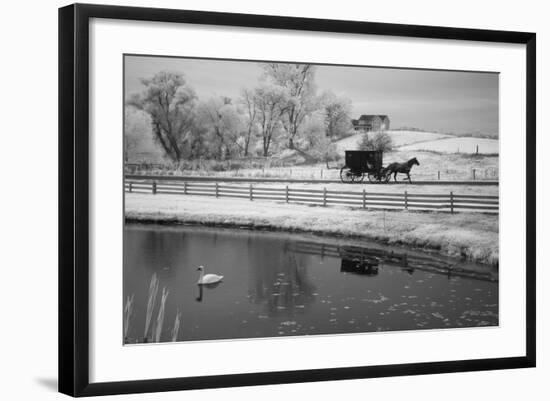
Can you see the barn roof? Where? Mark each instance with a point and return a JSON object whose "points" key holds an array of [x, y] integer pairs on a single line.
{"points": [[370, 117]]}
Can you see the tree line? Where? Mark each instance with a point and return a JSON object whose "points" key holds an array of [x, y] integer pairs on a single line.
{"points": [[284, 110]]}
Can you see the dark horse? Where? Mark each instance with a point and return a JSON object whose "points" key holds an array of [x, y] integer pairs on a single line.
{"points": [[404, 168]]}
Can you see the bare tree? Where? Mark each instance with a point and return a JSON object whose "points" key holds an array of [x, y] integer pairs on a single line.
{"points": [[317, 146], [270, 100], [299, 80], [337, 111], [170, 102], [221, 118], [251, 112], [137, 131], [377, 141]]}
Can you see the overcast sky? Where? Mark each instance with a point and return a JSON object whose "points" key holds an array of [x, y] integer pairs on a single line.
{"points": [[433, 100]]}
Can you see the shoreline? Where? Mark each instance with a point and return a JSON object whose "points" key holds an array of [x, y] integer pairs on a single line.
{"points": [[320, 235], [445, 234]]}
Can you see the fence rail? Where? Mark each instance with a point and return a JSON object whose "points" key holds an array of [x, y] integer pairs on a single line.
{"points": [[361, 199]]}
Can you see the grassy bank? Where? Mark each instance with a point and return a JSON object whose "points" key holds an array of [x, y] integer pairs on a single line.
{"points": [[466, 235]]}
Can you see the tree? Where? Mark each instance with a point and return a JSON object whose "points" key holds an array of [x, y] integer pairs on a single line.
{"points": [[221, 118], [299, 80], [250, 118], [270, 100], [318, 147], [171, 103], [379, 141], [337, 111], [137, 133]]}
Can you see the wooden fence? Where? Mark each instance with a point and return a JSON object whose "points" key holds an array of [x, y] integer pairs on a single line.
{"points": [[361, 199]]}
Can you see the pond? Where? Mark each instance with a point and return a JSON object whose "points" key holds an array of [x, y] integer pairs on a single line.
{"points": [[282, 284]]}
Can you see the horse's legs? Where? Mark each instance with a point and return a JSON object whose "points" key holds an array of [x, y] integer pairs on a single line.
{"points": [[395, 176], [409, 177]]}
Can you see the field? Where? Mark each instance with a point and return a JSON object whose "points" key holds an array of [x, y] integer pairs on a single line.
{"points": [[400, 138], [456, 145], [435, 152], [433, 166], [452, 166]]}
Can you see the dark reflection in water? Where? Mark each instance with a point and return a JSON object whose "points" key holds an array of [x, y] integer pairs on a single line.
{"points": [[278, 284]]}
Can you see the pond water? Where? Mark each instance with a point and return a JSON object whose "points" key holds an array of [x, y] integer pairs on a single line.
{"points": [[281, 284]]}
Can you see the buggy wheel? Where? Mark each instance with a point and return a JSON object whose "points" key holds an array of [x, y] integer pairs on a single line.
{"points": [[373, 178], [358, 178], [346, 175]]}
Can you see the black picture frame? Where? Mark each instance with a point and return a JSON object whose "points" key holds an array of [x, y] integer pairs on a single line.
{"points": [[74, 198]]}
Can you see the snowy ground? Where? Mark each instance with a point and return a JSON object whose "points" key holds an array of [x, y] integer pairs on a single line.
{"points": [[435, 152], [400, 138], [453, 167], [456, 145], [470, 235]]}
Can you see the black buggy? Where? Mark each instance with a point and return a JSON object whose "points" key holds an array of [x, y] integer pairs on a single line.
{"points": [[363, 162]]}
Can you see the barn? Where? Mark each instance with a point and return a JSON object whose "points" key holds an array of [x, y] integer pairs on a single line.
{"points": [[371, 122]]}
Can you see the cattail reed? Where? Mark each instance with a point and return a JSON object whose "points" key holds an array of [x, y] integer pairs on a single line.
{"points": [[176, 328], [153, 289], [160, 317], [128, 311]]}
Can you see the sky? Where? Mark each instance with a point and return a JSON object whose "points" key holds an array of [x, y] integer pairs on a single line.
{"points": [[445, 101]]}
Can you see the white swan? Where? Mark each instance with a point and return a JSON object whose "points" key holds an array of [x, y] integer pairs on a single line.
{"points": [[208, 278]]}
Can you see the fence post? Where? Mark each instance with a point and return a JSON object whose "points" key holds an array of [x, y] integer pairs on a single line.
{"points": [[452, 203], [474, 174], [286, 194], [324, 196], [406, 201], [364, 199], [154, 187], [130, 188], [321, 173], [438, 175], [216, 189], [185, 187], [251, 194]]}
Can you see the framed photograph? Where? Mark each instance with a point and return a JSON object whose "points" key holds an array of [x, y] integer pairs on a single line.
{"points": [[251, 199]]}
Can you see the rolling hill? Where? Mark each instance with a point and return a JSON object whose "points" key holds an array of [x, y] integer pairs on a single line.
{"points": [[400, 138], [430, 141], [457, 145]]}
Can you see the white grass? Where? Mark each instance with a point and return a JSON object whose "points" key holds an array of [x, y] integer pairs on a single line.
{"points": [[128, 312], [456, 145], [470, 235], [450, 166], [153, 289], [176, 328], [160, 317], [400, 138], [447, 164]]}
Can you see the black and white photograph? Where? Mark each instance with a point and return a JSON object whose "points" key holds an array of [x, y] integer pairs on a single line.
{"points": [[276, 198], [275, 201]]}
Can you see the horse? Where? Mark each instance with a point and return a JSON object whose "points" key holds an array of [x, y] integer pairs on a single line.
{"points": [[404, 168]]}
